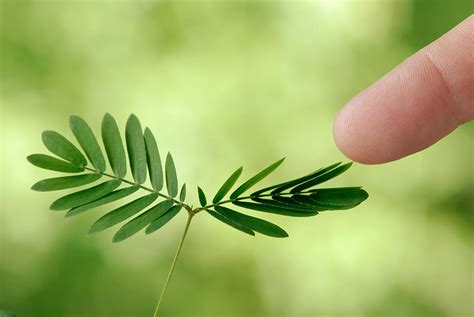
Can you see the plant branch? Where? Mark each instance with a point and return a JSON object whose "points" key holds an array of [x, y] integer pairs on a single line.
{"points": [[170, 274]]}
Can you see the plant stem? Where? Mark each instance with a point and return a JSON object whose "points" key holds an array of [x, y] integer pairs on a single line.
{"points": [[163, 291], [136, 184]]}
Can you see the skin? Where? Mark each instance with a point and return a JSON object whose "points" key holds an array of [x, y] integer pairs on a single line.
{"points": [[413, 106]]}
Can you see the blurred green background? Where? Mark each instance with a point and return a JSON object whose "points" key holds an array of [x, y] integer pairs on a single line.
{"points": [[224, 84]]}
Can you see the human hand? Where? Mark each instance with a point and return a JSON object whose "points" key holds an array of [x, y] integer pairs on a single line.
{"points": [[413, 106]]}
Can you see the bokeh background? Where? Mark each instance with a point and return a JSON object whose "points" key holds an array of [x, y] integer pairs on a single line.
{"points": [[224, 84]]}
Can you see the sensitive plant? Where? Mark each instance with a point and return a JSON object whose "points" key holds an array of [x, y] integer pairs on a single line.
{"points": [[156, 206]]}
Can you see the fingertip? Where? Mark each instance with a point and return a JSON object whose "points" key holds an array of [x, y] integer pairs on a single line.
{"points": [[413, 106], [349, 137]]}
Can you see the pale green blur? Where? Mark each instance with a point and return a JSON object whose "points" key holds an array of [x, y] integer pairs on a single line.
{"points": [[225, 84]]}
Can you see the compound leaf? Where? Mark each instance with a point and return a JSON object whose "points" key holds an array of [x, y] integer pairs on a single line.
{"points": [[294, 198]]}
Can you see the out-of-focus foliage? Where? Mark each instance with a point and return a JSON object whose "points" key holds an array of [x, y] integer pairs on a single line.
{"points": [[253, 81]]}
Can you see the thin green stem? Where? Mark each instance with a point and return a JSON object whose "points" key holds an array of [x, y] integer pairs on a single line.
{"points": [[136, 184], [190, 217]]}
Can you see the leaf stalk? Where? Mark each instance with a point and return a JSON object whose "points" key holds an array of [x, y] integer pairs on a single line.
{"points": [[191, 213], [136, 184]]}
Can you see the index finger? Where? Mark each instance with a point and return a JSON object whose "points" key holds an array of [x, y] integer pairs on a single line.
{"points": [[413, 106]]}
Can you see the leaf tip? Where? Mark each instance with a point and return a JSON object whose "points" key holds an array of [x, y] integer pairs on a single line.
{"points": [[132, 117], [107, 118], [202, 197], [44, 134], [280, 161], [55, 207], [118, 237], [73, 118], [90, 232], [365, 194]]}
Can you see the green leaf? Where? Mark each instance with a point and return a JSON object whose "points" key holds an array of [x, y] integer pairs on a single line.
{"points": [[314, 190], [341, 197], [296, 204], [53, 164], [256, 224], [85, 196], [230, 222], [225, 188], [319, 205], [88, 142], [154, 160], [182, 194], [202, 197], [136, 149], [120, 214], [65, 182], [63, 148], [163, 220], [325, 207], [171, 178], [113, 196], [286, 203], [303, 179], [141, 221], [306, 201], [322, 178], [114, 146], [278, 188], [254, 180], [274, 209]]}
